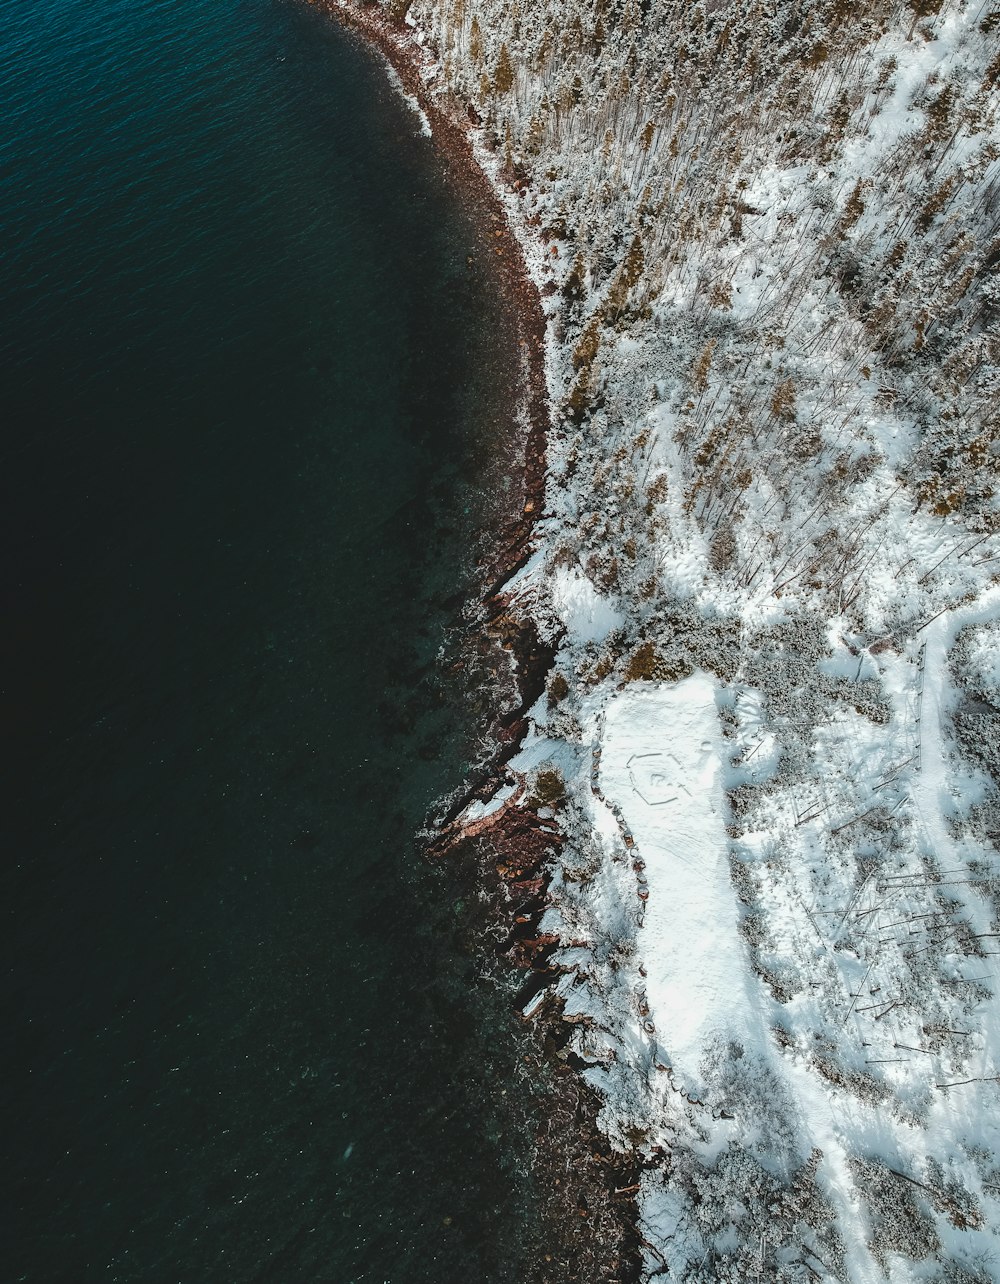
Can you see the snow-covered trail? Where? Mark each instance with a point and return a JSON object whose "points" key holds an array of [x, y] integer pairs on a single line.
{"points": [[930, 790], [932, 794]]}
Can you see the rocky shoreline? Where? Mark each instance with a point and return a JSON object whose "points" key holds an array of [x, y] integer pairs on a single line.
{"points": [[589, 1214], [770, 523], [451, 129]]}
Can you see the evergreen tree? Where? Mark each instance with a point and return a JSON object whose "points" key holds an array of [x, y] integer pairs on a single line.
{"points": [[503, 77]]}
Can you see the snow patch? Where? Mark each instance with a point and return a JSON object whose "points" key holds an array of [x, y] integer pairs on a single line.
{"points": [[587, 615], [662, 765]]}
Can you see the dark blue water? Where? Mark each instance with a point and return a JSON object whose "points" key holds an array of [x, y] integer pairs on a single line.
{"points": [[245, 398]]}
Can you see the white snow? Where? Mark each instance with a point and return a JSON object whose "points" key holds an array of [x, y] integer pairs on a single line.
{"points": [[662, 766], [769, 560], [477, 810], [587, 615]]}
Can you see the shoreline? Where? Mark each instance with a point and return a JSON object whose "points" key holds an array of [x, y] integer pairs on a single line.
{"points": [[451, 134], [513, 845], [770, 524]]}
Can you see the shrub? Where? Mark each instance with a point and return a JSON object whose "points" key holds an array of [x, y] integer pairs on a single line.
{"points": [[642, 665], [550, 788], [558, 689], [647, 664], [899, 1225]]}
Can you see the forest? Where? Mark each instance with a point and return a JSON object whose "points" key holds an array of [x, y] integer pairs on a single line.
{"points": [[767, 236]]}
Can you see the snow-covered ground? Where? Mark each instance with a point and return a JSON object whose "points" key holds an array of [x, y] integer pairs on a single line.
{"points": [[768, 238], [661, 772]]}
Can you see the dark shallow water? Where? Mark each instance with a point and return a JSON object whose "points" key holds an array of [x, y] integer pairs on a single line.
{"points": [[242, 390]]}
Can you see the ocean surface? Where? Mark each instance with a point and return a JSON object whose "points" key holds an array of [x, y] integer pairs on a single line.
{"points": [[246, 430]]}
